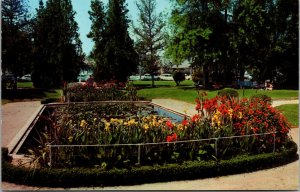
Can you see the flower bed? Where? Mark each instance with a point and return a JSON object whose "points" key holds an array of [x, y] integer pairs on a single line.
{"points": [[77, 92], [124, 135]]}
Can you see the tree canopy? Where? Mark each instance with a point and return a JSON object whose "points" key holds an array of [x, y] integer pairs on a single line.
{"points": [[57, 47], [226, 38], [150, 36], [113, 50]]}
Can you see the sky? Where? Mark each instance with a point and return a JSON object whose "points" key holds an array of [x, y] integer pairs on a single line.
{"points": [[81, 7]]}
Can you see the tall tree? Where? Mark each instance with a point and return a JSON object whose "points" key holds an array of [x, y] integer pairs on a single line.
{"points": [[98, 35], [113, 51], [200, 34], [16, 37], [150, 36], [121, 58], [58, 52]]}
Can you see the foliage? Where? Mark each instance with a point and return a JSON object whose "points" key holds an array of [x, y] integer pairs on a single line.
{"points": [[197, 76], [178, 76], [106, 91], [226, 38], [150, 36], [262, 97], [228, 92], [16, 31], [113, 51], [57, 49], [217, 119], [74, 177]]}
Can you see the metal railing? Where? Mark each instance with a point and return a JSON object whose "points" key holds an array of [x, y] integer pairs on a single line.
{"points": [[139, 145]]}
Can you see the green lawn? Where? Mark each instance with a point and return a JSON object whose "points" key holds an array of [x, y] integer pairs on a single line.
{"points": [[187, 91], [291, 112], [24, 84], [26, 91]]}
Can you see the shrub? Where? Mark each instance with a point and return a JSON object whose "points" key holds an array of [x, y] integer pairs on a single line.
{"points": [[178, 76], [228, 92], [49, 100], [197, 76], [75, 177], [261, 97]]}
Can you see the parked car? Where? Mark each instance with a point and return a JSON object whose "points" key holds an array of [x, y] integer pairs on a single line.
{"points": [[188, 77], [148, 77], [166, 77], [26, 77], [135, 77]]}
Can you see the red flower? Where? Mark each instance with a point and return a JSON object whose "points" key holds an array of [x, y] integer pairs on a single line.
{"points": [[195, 118], [185, 122], [172, 137], [169, 124]]}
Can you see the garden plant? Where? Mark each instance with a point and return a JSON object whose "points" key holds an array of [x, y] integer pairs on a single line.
{"points": [[118, 135]]}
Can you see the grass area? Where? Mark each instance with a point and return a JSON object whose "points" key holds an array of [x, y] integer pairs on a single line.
{"points": [[187, 91], [291, 112], [24, 84], [26, 91]]}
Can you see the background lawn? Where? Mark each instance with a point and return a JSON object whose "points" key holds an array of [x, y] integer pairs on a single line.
{"points": [[187, 91], [291, 112]]}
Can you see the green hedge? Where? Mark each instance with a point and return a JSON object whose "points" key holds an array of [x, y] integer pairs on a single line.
{"points": [[50, 100], [228, 92], [75, 177]]}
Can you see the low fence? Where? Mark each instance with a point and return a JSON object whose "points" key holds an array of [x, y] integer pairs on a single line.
{"points": [[139, 152]]}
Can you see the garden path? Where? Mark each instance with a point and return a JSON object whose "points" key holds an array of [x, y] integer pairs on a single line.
{"points": [[16, 115]]}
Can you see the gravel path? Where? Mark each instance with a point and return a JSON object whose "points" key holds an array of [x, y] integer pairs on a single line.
{"points": [[14, 116]]}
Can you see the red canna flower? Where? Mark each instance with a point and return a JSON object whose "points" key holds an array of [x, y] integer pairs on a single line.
{"points": [[169, 124], [195, 118], [185, 122], [172, 137]]}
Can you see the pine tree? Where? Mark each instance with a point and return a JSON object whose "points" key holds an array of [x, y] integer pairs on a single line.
{"points": [[98, 35], [57, 50], [118, 59], [16, 37], [150, 36]]}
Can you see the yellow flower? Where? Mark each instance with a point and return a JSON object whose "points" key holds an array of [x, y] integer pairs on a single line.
{"points": [[107, 125], [112, 120], [180, 127], [95, 119], [70, 139], [83, 123], [219, 123], [146, 126], [230, 111], [131, 122], [240, 115]]}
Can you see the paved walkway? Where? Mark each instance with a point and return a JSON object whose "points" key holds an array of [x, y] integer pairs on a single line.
{"points": [[15, 117]]}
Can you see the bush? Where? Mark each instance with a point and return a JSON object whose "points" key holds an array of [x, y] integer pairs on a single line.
{"points": [[261, 97], [229, 93], [198, 77], [75, 177], [49, 100], [178, 76]]}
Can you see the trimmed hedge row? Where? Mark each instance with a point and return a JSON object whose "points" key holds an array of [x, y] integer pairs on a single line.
{"points": [[76, 177]]}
